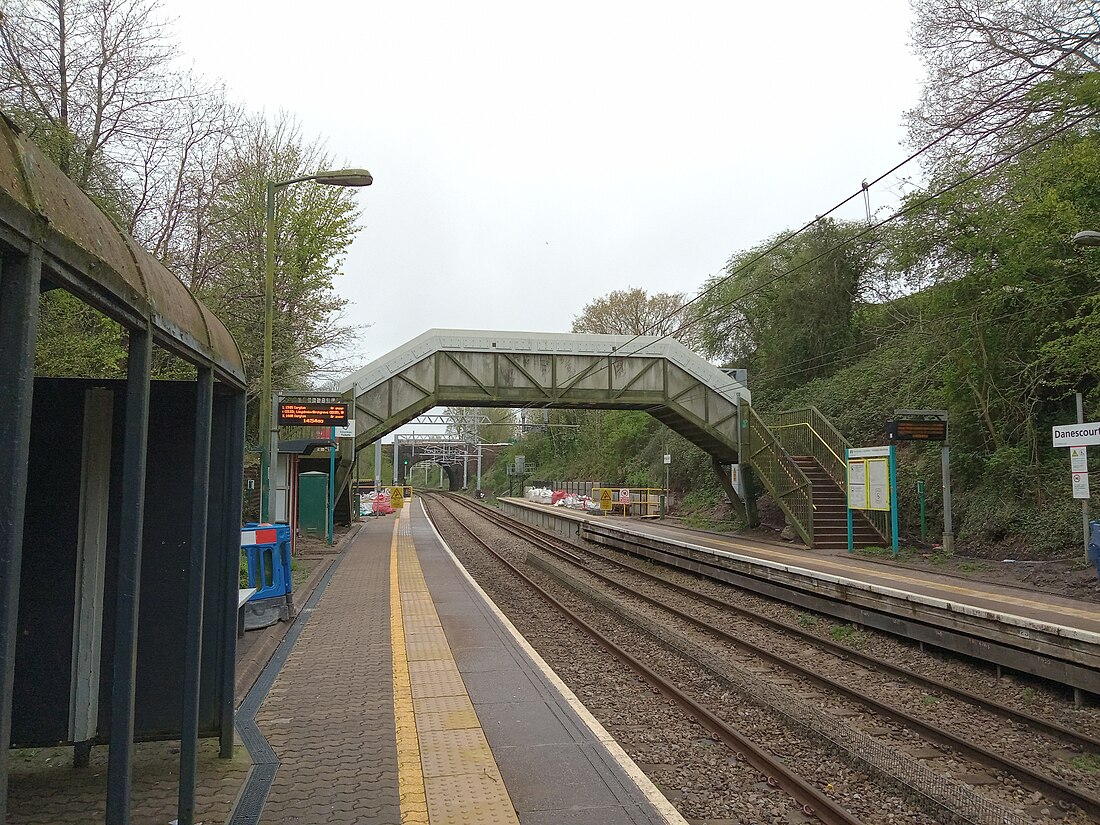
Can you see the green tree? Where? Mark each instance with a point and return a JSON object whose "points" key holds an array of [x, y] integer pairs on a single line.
{"points": [[792, 306], [314, 226]]}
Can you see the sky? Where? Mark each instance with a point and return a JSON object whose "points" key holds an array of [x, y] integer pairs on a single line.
{"points": [[529, 158]]}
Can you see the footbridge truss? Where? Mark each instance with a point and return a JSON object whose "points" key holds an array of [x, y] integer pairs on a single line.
{"points": [[468, 368], [524, 369]]}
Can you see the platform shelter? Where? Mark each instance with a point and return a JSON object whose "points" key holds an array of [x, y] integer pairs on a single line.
{"points": [[120, 500]]}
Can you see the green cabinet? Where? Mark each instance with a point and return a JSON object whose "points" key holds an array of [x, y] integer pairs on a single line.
{"points": [[313, 504]]}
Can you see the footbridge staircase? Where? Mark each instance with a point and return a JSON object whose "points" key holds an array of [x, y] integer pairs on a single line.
{"points": [[660, 376]]}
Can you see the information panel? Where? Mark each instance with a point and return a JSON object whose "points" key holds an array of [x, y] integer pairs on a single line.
{"points": [[309, 414], [878, 484], [857, 484]]}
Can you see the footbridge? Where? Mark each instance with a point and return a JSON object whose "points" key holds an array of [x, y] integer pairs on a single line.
{"points": [[661, 376]]}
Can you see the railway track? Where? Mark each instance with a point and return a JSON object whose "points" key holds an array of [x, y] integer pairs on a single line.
{"points": [[1048, 786], [810, 799]]}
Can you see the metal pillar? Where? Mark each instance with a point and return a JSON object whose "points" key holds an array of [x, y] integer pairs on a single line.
{"points": [[19, 282], [230, 556], [1084, 501], [196, 591], [377, 465], [268, 516], [131, 517], [396, 451], [331, 480], [948, 530]]}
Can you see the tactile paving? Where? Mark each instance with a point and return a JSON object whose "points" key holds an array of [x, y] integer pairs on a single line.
{"points": [[437, 683], [451, 720], [456, 800], [454, 752], [461, 781]]}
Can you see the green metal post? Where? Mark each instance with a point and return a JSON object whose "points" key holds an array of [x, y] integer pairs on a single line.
{"points": [[923, 525], [894, 500], [265, 387], [331, 481]]}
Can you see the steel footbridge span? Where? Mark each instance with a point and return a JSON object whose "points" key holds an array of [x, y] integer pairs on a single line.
{"points": [[468, 368]]}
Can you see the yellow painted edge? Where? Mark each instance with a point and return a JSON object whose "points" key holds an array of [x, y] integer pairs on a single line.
{"points": [[410, 773]]}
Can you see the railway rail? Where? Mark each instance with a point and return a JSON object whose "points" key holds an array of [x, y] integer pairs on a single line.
{"points": [[777, 774], [1051, 787]]}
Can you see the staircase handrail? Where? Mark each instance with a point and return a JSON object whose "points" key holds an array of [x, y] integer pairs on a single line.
{"points": [[784, 479], [826, 435], [827, 445]]}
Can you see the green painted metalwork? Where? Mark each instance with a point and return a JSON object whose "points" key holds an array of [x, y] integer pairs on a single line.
{"points": [[786, 482], [461, 368], [807, 431]]}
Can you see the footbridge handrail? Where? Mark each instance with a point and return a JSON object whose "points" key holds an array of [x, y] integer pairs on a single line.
{"points": [[806, 431], [784, 479]]}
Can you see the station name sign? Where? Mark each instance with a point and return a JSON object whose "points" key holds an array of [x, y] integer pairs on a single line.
{"points": [[1077, 435], [308, 414]]}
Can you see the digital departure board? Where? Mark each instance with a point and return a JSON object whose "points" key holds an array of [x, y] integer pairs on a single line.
{"points": [[306, 414], [913, 430]]}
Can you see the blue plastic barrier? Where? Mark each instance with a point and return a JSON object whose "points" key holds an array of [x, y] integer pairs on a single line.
{"points": [[1094, 545], [267, 553]]}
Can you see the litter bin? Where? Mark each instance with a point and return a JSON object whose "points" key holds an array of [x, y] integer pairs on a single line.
{"points": [[1094, 545], [267, 553]]}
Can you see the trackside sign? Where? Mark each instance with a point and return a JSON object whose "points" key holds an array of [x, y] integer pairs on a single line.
{"points": [[1077, 435]]}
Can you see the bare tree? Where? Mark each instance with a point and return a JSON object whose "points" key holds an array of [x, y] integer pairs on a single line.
{"points": [[94, 78], [634, 312], [985, 60]]}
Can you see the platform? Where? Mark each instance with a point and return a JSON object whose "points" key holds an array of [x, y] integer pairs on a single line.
{"points": [[1051, 636], [403, 695]]}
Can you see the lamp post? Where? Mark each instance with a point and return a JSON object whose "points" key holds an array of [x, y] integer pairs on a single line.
{"points": [[335, 177]]}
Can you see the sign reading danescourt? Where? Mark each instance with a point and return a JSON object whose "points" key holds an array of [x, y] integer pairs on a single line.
{"points": [[1077, 435]]}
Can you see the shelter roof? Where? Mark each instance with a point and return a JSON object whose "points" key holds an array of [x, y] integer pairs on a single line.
{"points": [[85, 252]]}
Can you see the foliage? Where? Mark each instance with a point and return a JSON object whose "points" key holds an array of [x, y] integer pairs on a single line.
{"points": [[76, 341], [790, 307], [97, 84], [983, 62], [634, 312], [313, 226]]}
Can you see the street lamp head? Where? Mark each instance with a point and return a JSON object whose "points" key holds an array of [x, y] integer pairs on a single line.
{"points": [[344, 177], [1088, 237]]}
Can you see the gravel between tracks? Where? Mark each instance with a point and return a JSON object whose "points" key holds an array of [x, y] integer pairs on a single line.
{"points": [[701, 777], [1026, 746]]}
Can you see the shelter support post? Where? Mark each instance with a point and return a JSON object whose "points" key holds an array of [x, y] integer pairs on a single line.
{"points": [[1084, 501], [20, 276], [192, 667], [230, 557], [131, 521]]}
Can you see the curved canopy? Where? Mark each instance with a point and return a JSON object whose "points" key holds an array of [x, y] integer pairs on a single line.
{"points": [[87, 254]]}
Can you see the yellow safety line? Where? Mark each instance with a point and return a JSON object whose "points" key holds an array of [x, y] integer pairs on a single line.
{"points": [[410, 773]]}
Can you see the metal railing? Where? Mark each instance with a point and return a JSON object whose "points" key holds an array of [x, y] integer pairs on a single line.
{"points": [[786, 482], [808, 432]]}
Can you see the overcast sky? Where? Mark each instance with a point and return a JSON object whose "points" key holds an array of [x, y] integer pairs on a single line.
{"points": [[529, 158]]}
